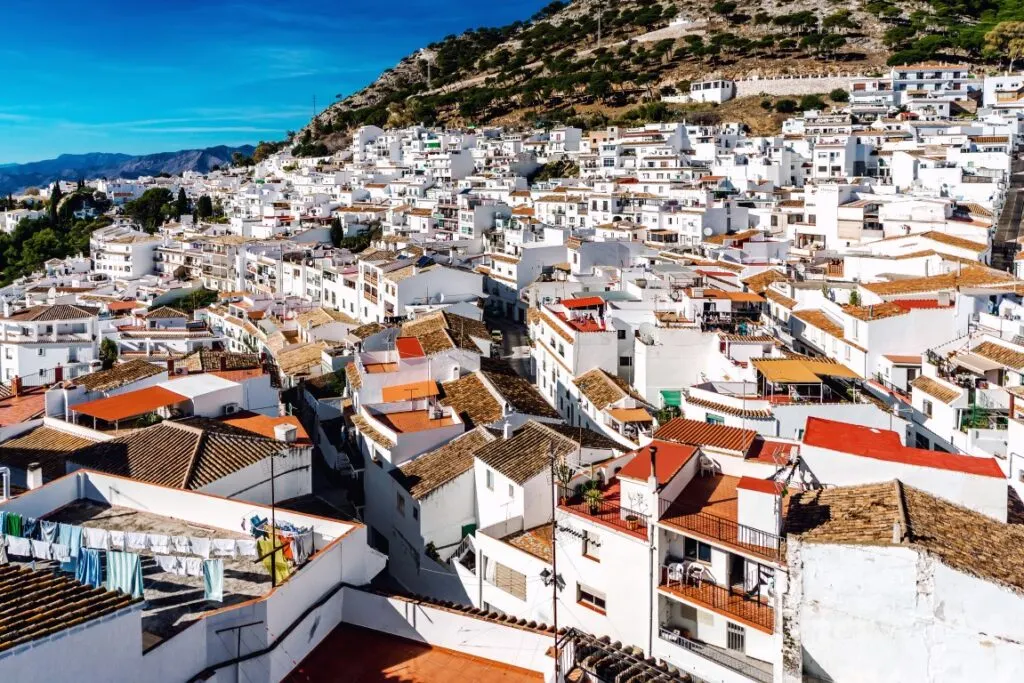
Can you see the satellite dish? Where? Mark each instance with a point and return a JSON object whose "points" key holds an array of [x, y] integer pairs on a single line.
{"points": [[708, 232]]}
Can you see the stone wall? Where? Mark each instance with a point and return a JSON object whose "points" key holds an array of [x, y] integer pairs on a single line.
{"points": [[794, 85]]}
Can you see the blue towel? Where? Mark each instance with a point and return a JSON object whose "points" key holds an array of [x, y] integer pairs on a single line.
{"points": [[257, 523], [124, 573], [71, 536], [47, 531], [213, 580], [89, 570]]}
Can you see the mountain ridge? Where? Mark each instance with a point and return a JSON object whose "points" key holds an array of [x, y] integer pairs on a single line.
{"points": [[16, 177]]}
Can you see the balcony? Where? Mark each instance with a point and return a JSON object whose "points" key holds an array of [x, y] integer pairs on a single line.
{"points": [[607, 511], [741, 664], [746, 607]]}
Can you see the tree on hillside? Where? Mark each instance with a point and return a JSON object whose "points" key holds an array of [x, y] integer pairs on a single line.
{"points": [[1007, 38], [152, 208], [204, 207], [55, 196], [108, 353], [181, 204], [337, 232]]}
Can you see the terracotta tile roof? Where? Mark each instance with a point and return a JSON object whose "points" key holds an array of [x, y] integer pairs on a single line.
{"points": [[301, 359], [45, 445], [1000, 354], [118, 376], [166, 312], [470, 398], [729, 410], [698, 433], [360, 423], [670, 459], [430, 471], [264, 425], [556, 328], [179, 455], [35, 603], [873, 312], [780, 299], [208, 360], [355, 381], [903, 359], [936, 389], [962, 539], [322, 316], [528, 452], [518, 391], [461, 327], [974, 276], [54, 313], [735, 237], [954, 241], [603, 388], [366, 331], [436, 341], [536, 541], [817, 318], [759, 283], [28, 404]]}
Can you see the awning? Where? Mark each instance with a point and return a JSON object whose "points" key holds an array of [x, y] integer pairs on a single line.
{"points": [[131, 404], [408, 392], [976, 363], [670, 397], [800, 370], [630, 415]]}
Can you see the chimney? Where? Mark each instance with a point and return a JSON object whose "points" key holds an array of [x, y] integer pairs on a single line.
{"points": [[285, 433], [58, 374], [15, 385], [652, 481], [507, 429], [170, 366], [33, 476]]}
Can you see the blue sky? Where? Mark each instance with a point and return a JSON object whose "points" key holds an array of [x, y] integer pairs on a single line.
{"points": [[141, 77]]}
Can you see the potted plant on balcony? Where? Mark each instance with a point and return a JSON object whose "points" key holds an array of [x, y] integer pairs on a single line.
{"points": [[563, 477], [593, 497], [631, 521]]}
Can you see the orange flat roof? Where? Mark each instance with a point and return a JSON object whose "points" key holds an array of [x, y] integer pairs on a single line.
{"points": [[409, 421], [631, 415], [264, 425], [409, 347], [131, 404], [408, 392]]}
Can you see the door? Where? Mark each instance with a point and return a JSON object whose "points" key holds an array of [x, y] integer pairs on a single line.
{"points": [[735, 637]]}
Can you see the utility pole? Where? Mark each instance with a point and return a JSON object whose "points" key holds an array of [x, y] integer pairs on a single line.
{"points": [[553, 577]]}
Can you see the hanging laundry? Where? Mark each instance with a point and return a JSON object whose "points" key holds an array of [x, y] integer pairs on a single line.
{"points": [[70, 536], [193, 566], [247, 548], [257, 527], [48, 531], [41, 550], [61, 553], [159, 543], [19, 547], [170, 564], [303, 546], [3, 522], [213, 580], [200, 546], [180, 545], [3, 550], [124, 573], [273, 560], [89, 570], [12, 525], [98, 539], [286, 546], [223, 547], [134, 541], [30, 527], [117, 540]]}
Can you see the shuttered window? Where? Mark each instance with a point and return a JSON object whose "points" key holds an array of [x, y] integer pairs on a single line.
{"points": [[510, 581]]}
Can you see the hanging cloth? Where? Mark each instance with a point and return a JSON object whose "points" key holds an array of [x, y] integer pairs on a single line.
{"points": [[12, 525], [124, 573], [170, 564], [89, 570], [61, 553], [48, 531], [273, 560], [135, 541], [117, 540], [223, 547], [19, 547], [159, 543], [257, 525], [3, 550], [247, 548], [41, 550], [30, 527], [200, 546], [193, 566], [98, 539], [286, 542], [180, 545], [70, 536], [213, 580]]}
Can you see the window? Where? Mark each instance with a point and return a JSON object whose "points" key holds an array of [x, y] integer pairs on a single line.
{"points": [[510, 581], [625, 361], [712, 419], [696, 550], [401, 505], [926, 407], [735, 637], [416, 513], [511, 491], [622, 334], [40, 352], [591, 546], [588, 597], [490, 480]]}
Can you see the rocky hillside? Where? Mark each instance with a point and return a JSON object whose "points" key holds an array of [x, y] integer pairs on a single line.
{"points": [[14, 177], [552, 66]]}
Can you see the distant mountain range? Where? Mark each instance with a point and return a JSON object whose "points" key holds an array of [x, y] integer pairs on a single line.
{"points": [[15, 177]]}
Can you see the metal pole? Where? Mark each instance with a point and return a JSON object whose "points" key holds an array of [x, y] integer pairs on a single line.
{"points": [[273, 529], [554, 568]]}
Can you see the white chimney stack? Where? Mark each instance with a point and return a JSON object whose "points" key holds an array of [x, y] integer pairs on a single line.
{"points": [[507, 428], [285, 433], [33, 476]]}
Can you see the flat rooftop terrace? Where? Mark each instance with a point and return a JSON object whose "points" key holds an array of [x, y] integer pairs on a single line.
{"points": [[172, 601], [410, 421]]}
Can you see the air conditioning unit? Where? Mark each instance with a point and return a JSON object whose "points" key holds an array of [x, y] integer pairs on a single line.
{"points": [[232, 408]]}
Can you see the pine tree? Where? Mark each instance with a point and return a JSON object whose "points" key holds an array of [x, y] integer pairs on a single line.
{"points": [[55, 197], [181, 205]]}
